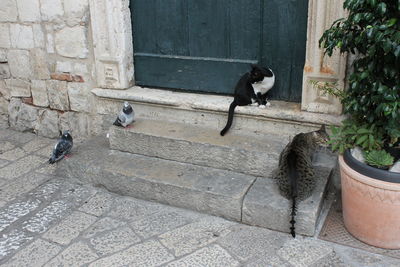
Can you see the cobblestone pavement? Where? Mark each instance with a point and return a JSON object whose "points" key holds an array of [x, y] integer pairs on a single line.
{"points": [[53, 221]]}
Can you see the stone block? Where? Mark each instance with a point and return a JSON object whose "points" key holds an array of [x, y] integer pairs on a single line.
{"points": [[64, 66], [114, 241], [68, 229], [28, 10], [51, 9], [214, 256], [39, 93], [78, 97], [18, 88], [78, 254], [209, 190], [5, 90], [3, 106], [264, 206], [4, 35], [25, 118], [3, 54], [186, 239], [38, 35], [4, 71], [72, 42], [50, 39], [35, 254], [77, 123], [199, 145], [98, 204], [47, 124], [149, 254], [8, 11], [76, 11], [20, 64], [58, 94], [67, 77], [21, 36], [39, 64], [13, 241]]}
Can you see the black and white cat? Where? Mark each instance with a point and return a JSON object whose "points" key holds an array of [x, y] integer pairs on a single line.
{"points": [[252, 88]]}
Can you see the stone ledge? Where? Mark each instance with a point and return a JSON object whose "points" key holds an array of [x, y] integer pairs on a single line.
{"points": [[279, 110]]}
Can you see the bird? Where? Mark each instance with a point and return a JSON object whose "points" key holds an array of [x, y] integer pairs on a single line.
{"points": [[62, 148], [126, 117]]}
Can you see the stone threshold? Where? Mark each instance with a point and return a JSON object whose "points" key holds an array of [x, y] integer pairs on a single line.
{"points": [[279, 110]]}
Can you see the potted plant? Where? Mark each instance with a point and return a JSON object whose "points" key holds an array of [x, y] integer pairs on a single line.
{"points": [[370, 193]]}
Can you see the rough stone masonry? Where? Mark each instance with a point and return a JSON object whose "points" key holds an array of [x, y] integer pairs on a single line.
{"points": [[46, 67]]}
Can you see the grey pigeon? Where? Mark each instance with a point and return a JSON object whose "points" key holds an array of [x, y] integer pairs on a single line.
{"points": [[126, 116], [62, 148]]}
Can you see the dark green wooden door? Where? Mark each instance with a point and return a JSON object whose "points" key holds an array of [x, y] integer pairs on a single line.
{"points": [[206, 45]]}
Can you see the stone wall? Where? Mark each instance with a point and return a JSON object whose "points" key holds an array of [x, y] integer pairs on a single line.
{"points": [[46, 66]]}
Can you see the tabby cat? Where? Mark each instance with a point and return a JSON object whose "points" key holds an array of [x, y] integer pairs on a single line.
{"points": [[251, 88], [295, 175]]}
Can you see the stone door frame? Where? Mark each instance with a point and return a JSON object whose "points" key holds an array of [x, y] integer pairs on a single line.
{"points": [[113, 50]]}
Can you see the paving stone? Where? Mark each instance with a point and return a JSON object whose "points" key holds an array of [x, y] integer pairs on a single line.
{"points": [[10, 242], [159, 223], [332, 260], [69, 228], [42, 220], [98, 204], [5, 146], [77, 254], [114, 241], [47, 150], [3, 163], [191, 237], [302, 252], [21, 185], [149, 254], [12, 155], [37, 144], [20, 167], [132, 209], [247, 242], [36, 254], [268, 261], [16, 211], [103, 225], [213, 256], [20, 137]]}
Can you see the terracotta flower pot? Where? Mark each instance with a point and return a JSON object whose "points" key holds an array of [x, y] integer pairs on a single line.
{"points": [[371, 207]]}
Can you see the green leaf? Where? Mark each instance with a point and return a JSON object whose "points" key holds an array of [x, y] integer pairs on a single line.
{"points": [[361, 139], [382, 8]]}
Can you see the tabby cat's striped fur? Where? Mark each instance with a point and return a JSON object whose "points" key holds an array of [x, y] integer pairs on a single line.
{"points": [[295, 175]]}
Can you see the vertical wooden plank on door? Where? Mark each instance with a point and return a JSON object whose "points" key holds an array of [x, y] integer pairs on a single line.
{"points": [[171, 31], [245, 29], [144, 21], [284, 36], [207, 28]]}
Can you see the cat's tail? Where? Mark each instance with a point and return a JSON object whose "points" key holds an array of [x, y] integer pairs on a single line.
{"points": [[230, 118], [293, 178], [293, 214]]}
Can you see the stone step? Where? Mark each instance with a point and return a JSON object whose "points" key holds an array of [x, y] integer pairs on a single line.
{"points": [[224, 193], [210, 111], [254, 154]]}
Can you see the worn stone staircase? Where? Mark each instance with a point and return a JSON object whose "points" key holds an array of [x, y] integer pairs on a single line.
{"points": [[192, 166]]}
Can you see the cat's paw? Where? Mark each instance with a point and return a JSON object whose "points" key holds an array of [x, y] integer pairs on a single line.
{"points": [[254, 104], [268, 104], [262, 106]]}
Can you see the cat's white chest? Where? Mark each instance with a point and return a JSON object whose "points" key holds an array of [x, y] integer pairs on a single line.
{"points": [[265, 85]]}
